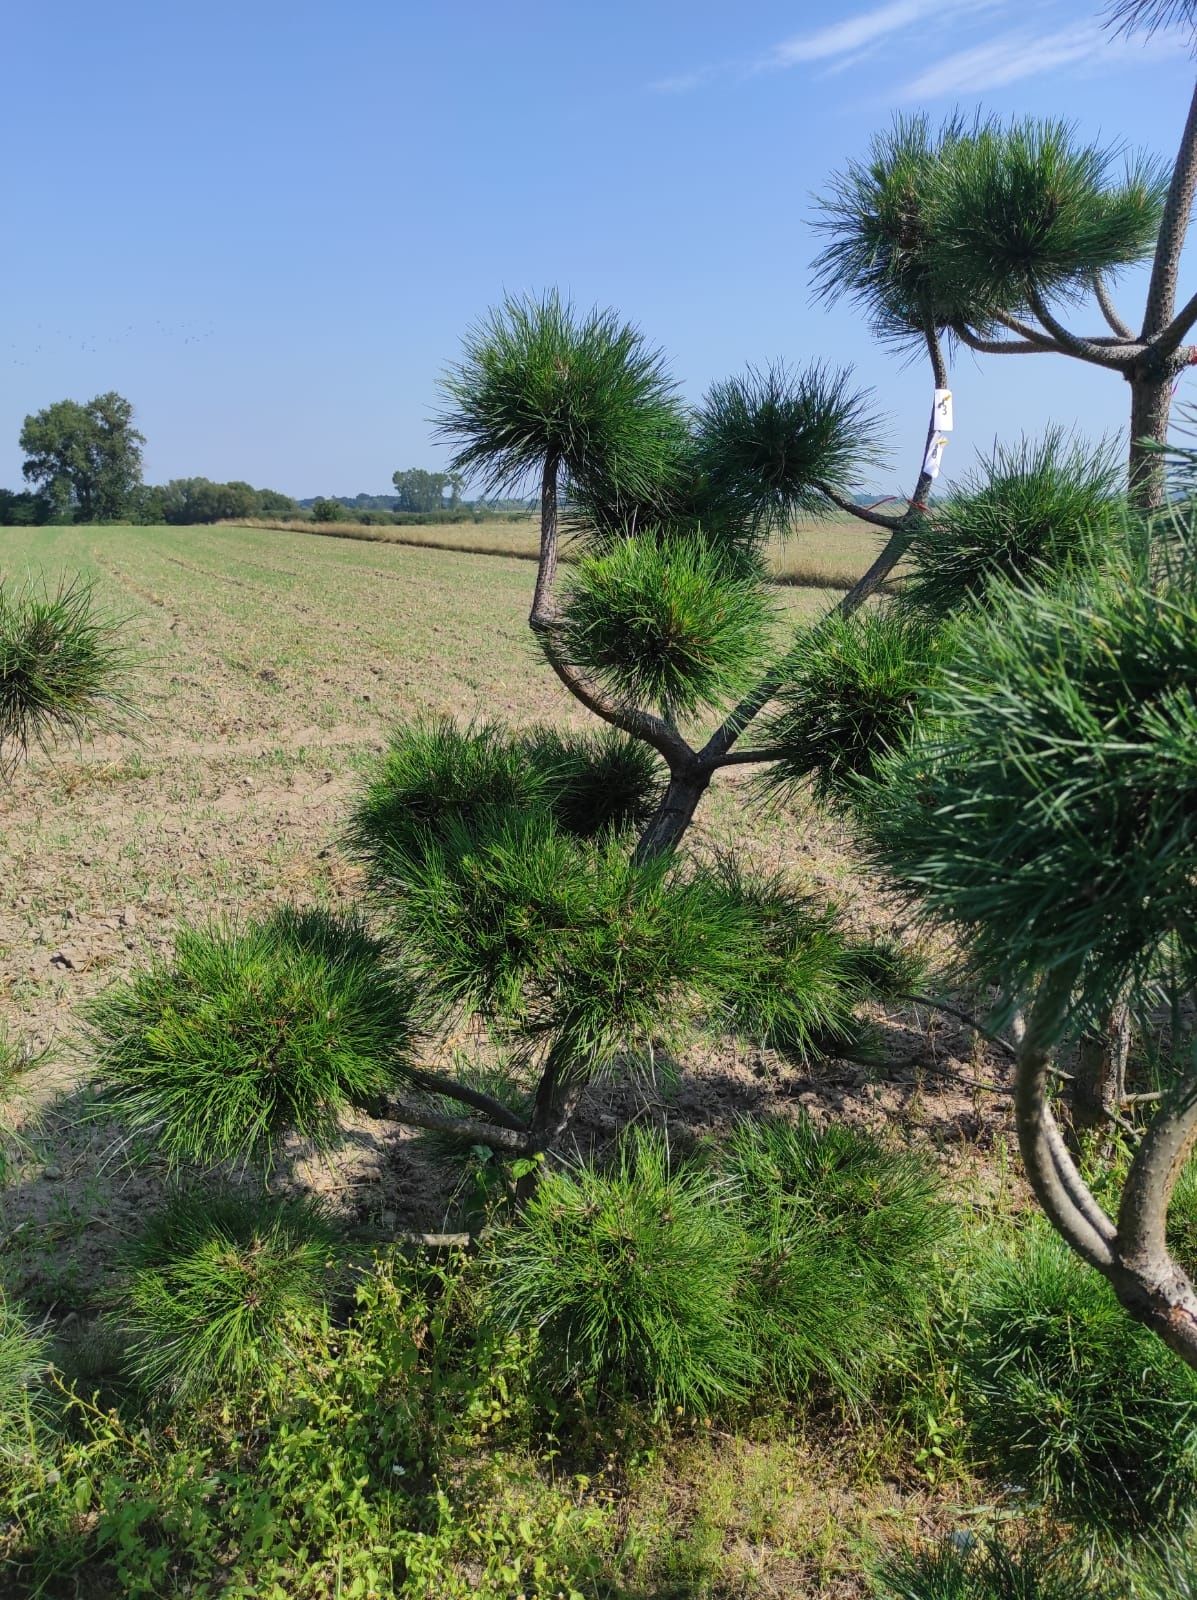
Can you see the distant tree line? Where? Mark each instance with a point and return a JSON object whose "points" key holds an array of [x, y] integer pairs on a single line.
{"points": [[83, 463]]}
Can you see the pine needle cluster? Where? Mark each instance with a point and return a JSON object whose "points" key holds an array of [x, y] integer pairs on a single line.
{"points": [[61, 662], [768, 442], [218, 1287], [984, 1570], [797, 978], [850, 695], [665, 623], [1027, 514], [1068, 1396], [247, 1034], [539, 381], [630, 1277], [436, 775], [842, 1234], [792, 1260], [939, 229], [1045, 807]]}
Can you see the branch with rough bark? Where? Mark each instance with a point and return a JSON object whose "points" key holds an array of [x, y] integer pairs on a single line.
{"points": [[1115, 354], [1108, 309], [1132, 1255]]}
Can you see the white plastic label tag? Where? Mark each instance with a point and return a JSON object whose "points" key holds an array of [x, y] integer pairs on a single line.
{"points": [[934, 457], [943, 410]]}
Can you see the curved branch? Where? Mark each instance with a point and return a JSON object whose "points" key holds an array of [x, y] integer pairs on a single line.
{"points": [[476, 1131], [745, 758], [1108, 309], [1059, 1188], [1026, 331], [1173, 335], [654, 730], [1143, 1218], [967, 1018], [433, 1083], [879, 519], [1099, 352], [1005, 347]]}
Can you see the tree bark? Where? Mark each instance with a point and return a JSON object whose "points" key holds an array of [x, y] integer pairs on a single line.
{"points": [[675, 813], [1099, 1089], [1161, 292], [1151, 406], [546, 572]]}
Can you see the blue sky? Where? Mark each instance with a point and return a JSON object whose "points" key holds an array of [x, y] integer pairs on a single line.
{"points": [[268, 223]]}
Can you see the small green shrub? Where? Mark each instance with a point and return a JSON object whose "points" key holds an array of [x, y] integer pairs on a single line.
{"points": [[60, 665], [1025, 515], [850, 695], [219, 1286], [363, 1475], [245, 1035], [842, 1235], [984, 1570], [631, 1277], [1067, 1396], [664, 623]]}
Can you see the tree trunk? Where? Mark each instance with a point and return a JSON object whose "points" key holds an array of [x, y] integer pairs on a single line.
{"points": [[674, 814], [1151, 405], [546, 571], [1099, 1090], [556, 1101]]}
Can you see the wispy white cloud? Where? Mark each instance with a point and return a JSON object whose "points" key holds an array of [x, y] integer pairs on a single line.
{"points": [[1023, 54], [854, 33], [837, 46], [682, 82], [898, 25]]}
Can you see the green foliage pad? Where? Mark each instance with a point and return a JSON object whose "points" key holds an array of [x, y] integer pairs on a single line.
{"points": [[218, 1287], [246, 1035]]}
